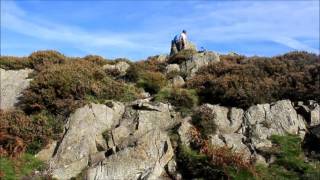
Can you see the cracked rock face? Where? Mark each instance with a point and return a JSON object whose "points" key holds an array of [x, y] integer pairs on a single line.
{"points": [[227, 120], [12, 83], [145, 160], [79, 140], [198, 60], [131, 142], [279, 118], [136, 144]]}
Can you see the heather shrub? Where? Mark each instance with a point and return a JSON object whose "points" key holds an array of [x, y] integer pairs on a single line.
{"points": [[18, 132], [48, 57], [242, 82], [151, 82], [183, 99], [96, 59], [14, 63], [62, 88], [195, 165]]}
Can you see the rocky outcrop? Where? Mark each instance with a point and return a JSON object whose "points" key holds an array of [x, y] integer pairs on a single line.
{"points": [[226, 120], [145, 160], [121, 67], [172, 68], [115, 141], [264, 120], [198, 60], [249, 131], [13, 82], [178, 81], [79, 140], [310, 111]]}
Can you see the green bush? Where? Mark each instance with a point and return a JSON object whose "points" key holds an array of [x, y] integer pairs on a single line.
{"points": [[183, 99], [62, 88], [290, 162], [242, 82], [151, 82]]}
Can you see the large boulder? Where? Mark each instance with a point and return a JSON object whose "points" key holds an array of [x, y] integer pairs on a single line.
{"points": [[198, 60], [13, 82], [172, 68], [226, 120], [121, 67], [234, 141], [178, 81], [141, 117], [79, 141], [184, 131], [146, 159], [280, 118], [310, 111]]}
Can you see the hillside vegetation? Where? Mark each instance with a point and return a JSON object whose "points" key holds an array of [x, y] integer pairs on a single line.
{"points": [[63, 84]]}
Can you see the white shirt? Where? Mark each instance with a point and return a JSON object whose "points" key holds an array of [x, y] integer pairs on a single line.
{"points": [[183, 37]]}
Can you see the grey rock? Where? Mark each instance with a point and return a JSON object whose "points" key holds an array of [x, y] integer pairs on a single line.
{"points": [[233, 141], [145, 160], [178, 81], [184, 131], [227, 120], [315, 115], [172, 68], [162, 58], [264, 120], [190, 45], [121, 66], [79, 141], [46, 153], [198, 60], [13, 82]]}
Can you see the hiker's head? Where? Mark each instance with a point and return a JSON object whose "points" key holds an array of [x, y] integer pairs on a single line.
{"points": [[184, 31]]}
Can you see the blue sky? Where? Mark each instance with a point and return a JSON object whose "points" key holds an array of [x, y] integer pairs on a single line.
{"points": [[138, 29]]}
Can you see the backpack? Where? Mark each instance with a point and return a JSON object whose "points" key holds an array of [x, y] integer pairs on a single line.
{"points": [[176, 38]]}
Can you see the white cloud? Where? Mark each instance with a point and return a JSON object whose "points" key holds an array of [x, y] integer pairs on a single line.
{"points": [[283, 22]]}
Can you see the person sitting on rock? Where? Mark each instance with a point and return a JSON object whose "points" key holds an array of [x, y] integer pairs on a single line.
{"points": [[179, 42]]}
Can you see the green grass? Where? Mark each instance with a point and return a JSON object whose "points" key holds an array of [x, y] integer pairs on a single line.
{"points": [[12, 169], [289, 163]]}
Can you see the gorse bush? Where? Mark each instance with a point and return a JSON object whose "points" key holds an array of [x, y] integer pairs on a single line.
{"points": [[242, 82], [151, 82], [183, 99], [62, 88]]}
